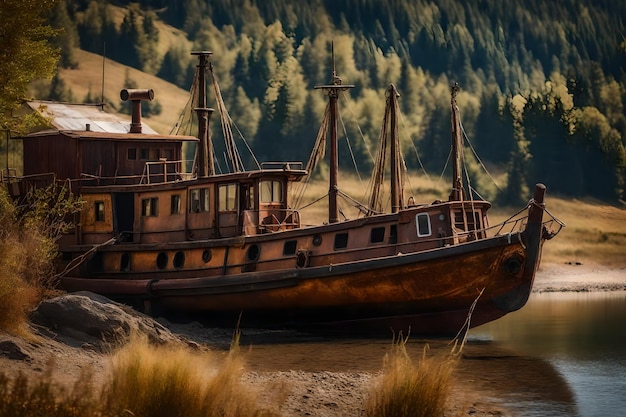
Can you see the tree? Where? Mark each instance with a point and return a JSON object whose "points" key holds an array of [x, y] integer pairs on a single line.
{"points": [[546, 127], [603, 154], [67, 39], [26, 54]]}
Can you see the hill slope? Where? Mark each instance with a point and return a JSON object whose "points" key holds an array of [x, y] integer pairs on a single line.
{"points": [[87, 78]]}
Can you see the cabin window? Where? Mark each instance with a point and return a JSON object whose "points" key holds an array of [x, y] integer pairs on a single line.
{"points": [[167, 154], [247, 191], [290, 247], [175, 204], [377, 235], [423, 224], [228, 201], [150, 154], [150, 207], [271, 191], [199, 200], [393, 234], [131, 154], [341, 241], [99, 205]]}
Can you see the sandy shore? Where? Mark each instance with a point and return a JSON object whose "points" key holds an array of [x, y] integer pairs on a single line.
{"points": [[576, 277], [336, 384]]}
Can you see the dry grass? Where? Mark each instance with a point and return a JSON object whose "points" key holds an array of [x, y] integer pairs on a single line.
{"points": [[412, 389], [145, 381], [595, 232], [178, 382], [17, 246], [88, 77], [28, 251]]}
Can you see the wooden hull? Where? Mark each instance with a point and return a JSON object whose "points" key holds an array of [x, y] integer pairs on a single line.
{"points": [[429, 291]]}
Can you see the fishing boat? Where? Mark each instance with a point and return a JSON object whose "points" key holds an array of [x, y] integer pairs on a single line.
{"points": [[231, 246]]}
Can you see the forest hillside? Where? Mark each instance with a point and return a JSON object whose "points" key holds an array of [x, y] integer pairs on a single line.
{"points": [[543, 84]]}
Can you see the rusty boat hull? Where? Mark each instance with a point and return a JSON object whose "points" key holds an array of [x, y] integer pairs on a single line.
{"points": [[427, 292]]}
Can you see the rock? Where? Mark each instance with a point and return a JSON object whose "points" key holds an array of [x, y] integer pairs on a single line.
{"points": [[12, 350], [87, 318]]}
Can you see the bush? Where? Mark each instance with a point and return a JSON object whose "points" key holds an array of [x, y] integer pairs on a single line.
{"points": [[28, 250], [412, 389]]}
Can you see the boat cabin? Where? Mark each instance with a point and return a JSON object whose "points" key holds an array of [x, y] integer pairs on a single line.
{"points": [[220, 206]]}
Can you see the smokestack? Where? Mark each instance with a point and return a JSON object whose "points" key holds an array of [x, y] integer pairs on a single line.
{"points": [[136, 96]]}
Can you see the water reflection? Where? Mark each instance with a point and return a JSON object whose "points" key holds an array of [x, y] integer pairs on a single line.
{"points": [[583, 335]]}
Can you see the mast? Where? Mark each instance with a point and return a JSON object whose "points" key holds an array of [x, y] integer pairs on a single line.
{"points": [[396, 186], [333, 95], [205, 147], [457, 193]]}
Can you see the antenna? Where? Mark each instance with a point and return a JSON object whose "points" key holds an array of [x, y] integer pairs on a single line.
{"points": [[104, 49], [332, 55]]}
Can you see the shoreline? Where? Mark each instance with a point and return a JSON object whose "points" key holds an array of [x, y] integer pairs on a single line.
{"points": [[575, 277], [322, 390]]}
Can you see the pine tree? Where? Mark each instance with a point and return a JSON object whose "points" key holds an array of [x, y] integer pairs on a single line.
{"points": [[26, 54]]}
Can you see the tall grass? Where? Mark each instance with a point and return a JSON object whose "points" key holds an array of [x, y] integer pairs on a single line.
{"points": [[28, 234], [176, 382], [412, 389], [144, 381]]}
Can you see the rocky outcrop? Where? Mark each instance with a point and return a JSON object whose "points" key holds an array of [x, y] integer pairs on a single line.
{"points": [[90, 320]]}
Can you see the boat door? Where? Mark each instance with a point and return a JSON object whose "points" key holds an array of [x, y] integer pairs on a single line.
{"points": [[227, 210], [124, 216], [249, 218]]}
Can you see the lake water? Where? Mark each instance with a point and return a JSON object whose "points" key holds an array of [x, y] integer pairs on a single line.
{"points": [[563, 354], [583, 336]]}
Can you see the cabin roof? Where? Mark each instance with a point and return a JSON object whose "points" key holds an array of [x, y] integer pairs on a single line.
{"points": [[131, 137], [70, 116], [71, 120]]}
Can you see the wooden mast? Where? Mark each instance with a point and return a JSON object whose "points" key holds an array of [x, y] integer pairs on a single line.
{"points": [[205, 147], [457, 193], [396, 186], [333, 95]]}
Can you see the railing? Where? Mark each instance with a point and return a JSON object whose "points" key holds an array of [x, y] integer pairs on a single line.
{"points": [[286, 166], [271, 223], [163, 164]]}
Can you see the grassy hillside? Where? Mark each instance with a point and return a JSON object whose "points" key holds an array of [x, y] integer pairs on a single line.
{"points": [[88, 77]]}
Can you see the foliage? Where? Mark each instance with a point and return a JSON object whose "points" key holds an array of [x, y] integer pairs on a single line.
{"points": [[28, 235], [26, 54]]}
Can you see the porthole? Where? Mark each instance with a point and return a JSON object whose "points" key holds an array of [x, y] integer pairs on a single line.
{"points": [[179, 260], [253, 253], [317, 240], [289, 248], [302, 259], [513, 265], [125, 262], [161, 260], [206, 256]]}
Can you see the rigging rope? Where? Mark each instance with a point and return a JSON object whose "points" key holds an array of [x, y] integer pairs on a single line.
{"points": [[229, 140], [345, 133], [317, 154], [478, 158]]}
